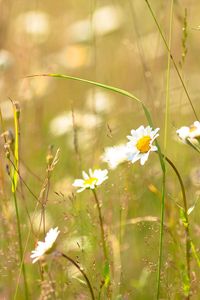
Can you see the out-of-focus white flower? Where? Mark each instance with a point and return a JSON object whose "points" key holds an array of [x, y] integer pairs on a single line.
{"points": [[100, 101], [115, 155], [191, 132], [91, 181], [73, 56], [105, 20], [63, 123], [6, 60], [141, 143], [6, 109], [85, 138], [34, 24], [87, 120], [80, 31], [45, 247]]}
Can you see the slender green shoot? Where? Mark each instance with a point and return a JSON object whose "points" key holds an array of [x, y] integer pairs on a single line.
{"points": [[165, 147], [14, 180], [103, 238]]}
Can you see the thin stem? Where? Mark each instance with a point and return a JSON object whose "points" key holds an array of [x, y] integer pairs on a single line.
{"points": [[161, 236], [101, 225], [20, 247], [25, 247], [82, 272], [14, 180], [167, 100], [187, 229], [164, 171], [172, 58]]}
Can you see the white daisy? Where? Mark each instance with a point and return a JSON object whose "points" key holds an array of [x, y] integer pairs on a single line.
{"points": [[115, 155], [191, 132], [63, 123], [91, 181], [45, 247], [140, 143], [105, 20]]}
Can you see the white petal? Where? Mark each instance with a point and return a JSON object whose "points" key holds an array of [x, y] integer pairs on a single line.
{"points": [[197, 124], [183, 132], [155, 131], [91, 173], [131, 138], [154, 148], [85, 175], [134, 157], [78, 182], [144, 158], [140, 130], [81, 189]]}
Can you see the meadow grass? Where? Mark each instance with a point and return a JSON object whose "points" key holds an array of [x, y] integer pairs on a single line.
{"points": [[124, 232]]}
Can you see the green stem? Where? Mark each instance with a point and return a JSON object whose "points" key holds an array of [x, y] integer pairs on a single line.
{"points": [[161, 237], [101, 225], [82, 272], [164, 172], [168, 79], [172, 58], [187, 229], [14, 180], [20, 248]]}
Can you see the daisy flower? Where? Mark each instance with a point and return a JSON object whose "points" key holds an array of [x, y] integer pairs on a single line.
{"points": [[140, 143], [45, 247], [91, 181], [115, 155], [191, 132]]}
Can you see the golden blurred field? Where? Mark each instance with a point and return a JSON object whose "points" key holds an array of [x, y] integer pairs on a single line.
{"points": [[116, 43]]}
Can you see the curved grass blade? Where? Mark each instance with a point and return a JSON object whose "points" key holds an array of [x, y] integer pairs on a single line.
{"points": [[150, 122]]}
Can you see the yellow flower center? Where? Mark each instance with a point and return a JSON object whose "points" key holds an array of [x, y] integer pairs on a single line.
{"points": [[143, 144], [90, 181], [193, 128]]}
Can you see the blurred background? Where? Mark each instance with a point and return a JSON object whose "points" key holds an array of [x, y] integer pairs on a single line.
{"points": [[117, 43]]}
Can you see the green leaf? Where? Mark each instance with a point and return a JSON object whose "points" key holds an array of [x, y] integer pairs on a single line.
{"points": [[16, 149], [183, 217], [106, 273]]}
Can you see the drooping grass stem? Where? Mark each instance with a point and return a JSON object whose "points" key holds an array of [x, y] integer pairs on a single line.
{"points": [[101, 225], [150, 122], [82, 272]]}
